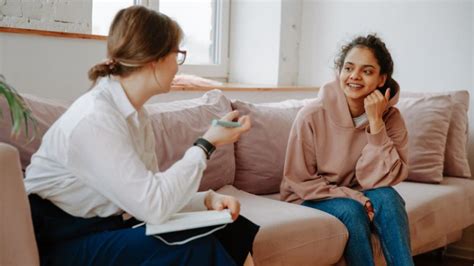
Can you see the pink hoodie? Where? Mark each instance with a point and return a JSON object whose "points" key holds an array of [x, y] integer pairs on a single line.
{"points": [[328, 157]]}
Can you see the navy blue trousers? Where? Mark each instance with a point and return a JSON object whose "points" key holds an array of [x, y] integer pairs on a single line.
{"points": [[67, 240]]}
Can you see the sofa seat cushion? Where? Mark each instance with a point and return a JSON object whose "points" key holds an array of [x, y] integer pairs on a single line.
{"points": [[437, 210], [291, 234], [437, 213]]}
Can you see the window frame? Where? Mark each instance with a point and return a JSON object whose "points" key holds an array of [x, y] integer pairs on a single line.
{"points": [[221, 20]]}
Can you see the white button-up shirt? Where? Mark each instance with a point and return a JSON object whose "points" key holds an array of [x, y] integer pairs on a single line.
{"points": [[98, 159]]}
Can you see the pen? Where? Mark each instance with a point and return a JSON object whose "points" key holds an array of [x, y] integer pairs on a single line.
{"points": [[223, 123]]}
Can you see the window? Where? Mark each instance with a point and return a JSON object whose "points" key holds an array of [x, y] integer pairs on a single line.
{"points": [[103, 12], [204, 22]]}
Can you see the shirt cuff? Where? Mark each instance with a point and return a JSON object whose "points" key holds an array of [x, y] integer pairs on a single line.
{"points": [[378, 138], [196, 203], [196, 152]]}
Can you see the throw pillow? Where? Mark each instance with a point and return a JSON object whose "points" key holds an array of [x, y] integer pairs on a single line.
{"points": [[260, 152], [178, 124], [427, 121], [455, 161]]}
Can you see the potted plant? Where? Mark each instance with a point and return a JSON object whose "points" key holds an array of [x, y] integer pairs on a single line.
{"points": [[20, 112]]}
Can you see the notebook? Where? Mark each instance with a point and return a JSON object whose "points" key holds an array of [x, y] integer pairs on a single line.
{"points": [[190, 220]]}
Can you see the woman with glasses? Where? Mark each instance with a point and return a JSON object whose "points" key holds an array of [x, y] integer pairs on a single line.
{"points": [[96, 174]]}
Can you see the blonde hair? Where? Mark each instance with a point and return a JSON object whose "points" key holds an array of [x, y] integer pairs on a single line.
{"points": [[137, 36]]}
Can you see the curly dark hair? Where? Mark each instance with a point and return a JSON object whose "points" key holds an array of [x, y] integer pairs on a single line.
{"points": [[378, 48]]}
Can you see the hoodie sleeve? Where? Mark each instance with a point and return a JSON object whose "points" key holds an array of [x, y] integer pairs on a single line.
{"points": [[384, 159], [301, 180]]}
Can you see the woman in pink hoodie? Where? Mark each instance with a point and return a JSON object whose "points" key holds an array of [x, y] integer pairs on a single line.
{"points": [[347, 148]]}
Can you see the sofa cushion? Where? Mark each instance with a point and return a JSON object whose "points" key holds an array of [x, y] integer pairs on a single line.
{"points": [[455, 160], [455, 156], [427, 121], [437, 213], [436, 210], [45, 111], [260, 171], [17, 239], [178, 124], [291, 234]]}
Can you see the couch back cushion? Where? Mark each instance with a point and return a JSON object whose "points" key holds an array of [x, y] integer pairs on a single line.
{"points": [[436, 124], [455, 156], [44, 110], [178, 124], [260, 152], [427, 120]]}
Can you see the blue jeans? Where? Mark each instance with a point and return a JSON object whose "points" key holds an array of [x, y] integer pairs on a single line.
{"points": [[390, 224]]}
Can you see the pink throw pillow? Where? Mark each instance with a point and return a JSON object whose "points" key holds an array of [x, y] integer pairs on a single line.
{"points": [[455, 162], [427, 120], [178, 124], [260, 152], [46, 113]]}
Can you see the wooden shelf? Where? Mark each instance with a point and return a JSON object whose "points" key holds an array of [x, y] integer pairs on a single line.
{"points": [[53, 33]]}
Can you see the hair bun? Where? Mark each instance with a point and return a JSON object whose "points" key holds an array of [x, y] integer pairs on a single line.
{"points": [[111, 63]]}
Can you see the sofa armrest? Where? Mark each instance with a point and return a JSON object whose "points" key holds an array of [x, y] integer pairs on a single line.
{"points": [[17, 239]]}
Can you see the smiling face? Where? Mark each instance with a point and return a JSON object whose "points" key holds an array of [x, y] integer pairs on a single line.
{"points": [[360, 74]]}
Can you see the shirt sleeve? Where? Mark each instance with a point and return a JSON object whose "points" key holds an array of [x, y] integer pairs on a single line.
{"points": [[383, 161], [301, 173], [101, 154], [196, 203]]}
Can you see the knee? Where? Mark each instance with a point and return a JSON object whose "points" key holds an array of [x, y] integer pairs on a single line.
{"points": [[353, 214], [202, 251], [387, 199]]}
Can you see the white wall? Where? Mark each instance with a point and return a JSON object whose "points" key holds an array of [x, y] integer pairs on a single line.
{"points": [[429, 40], [290, 36], [64, 15], [50, 67]]}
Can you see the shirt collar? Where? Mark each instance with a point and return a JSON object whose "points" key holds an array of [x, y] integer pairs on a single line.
{"points": [[121, 100]]}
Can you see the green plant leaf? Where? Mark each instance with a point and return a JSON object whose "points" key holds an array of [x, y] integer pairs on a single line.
{"points": [[20, 112]]}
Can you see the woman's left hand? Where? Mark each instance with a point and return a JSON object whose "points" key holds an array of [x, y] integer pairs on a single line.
{"points": [[375, 104], [216, 201]]}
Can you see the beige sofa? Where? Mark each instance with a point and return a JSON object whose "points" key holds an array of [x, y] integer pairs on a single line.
{"points": [[290, 234]]}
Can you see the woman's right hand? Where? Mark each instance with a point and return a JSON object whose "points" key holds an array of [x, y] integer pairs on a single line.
{"points": [[218, 135]]}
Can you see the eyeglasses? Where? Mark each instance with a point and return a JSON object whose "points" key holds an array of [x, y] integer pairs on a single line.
{"points": [[180, 56]]}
